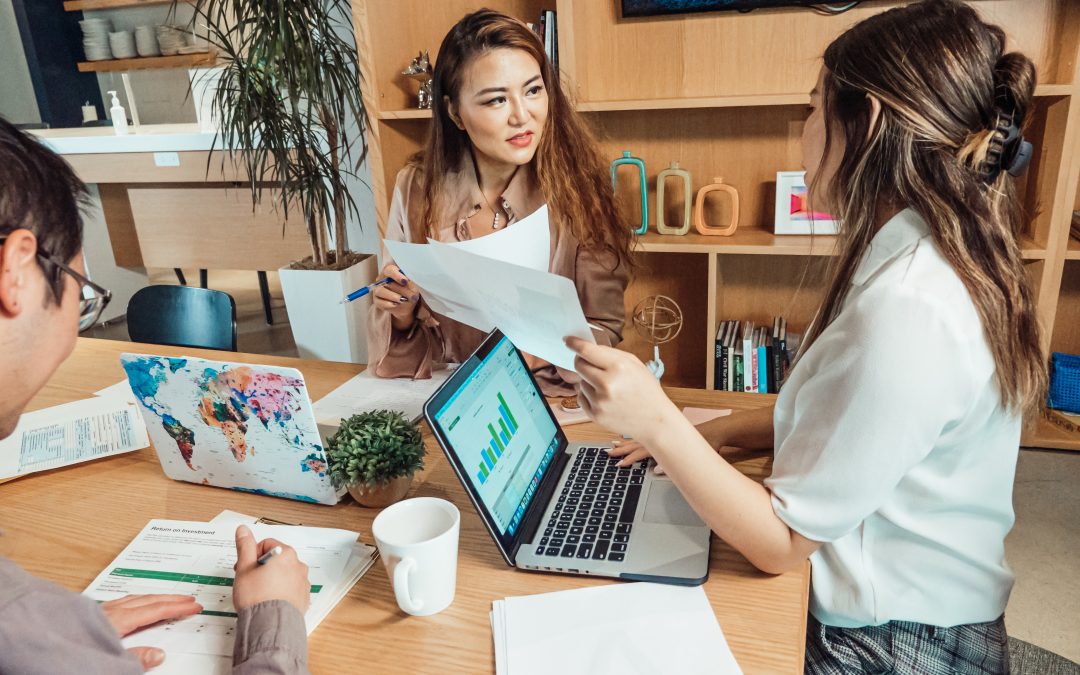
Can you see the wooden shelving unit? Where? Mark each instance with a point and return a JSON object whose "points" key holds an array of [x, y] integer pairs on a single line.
{"points": [[723, 94], [1073, 251], [148, 63], [87, 5], [143, 62], [749, 101]]}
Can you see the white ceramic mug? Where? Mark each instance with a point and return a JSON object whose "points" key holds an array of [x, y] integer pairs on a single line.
{"points": [[418, 543]]}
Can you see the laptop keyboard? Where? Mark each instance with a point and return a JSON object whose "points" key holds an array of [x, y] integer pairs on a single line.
{"points": [[594, 514]]}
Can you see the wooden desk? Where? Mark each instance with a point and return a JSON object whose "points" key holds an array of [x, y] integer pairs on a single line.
{"points": [[67, 525]]}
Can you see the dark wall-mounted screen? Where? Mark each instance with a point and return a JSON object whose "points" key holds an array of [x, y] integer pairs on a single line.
{"points": [[654, 7]]}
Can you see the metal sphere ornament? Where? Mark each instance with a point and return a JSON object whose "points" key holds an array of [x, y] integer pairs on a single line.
{"points": [[658, 319]]}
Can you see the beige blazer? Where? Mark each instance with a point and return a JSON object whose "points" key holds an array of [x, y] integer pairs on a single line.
{"points": [[433, 338]]}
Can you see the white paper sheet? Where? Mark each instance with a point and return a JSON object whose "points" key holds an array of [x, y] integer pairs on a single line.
{"points": [[72, 433], [526, 243], [366, 392], [535, 309], [619, 629], [121, 390], [196, 558], [702, 415]]}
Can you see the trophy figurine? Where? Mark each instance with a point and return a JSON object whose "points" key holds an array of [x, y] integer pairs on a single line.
{"points": [[658, 319], [420, 70]]}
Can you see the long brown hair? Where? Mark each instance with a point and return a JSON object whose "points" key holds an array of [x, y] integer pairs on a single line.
{"points": [[568, 165], [945, 84]]}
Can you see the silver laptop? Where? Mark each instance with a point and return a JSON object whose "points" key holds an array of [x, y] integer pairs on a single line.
{"points": [[551, 505]]}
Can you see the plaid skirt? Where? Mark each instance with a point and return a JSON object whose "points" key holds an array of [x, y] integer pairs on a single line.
{"points": [[905, 647]]}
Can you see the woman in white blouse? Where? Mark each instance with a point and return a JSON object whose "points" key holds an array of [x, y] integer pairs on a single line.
{"points": [[897, 430]]}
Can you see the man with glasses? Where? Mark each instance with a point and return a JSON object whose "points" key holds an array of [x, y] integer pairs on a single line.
{"points": [[45, 297]]}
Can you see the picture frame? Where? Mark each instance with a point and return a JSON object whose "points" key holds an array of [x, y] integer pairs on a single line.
{"points": [[792, 216]]}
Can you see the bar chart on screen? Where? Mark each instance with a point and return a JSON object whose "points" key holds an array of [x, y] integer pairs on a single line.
{"points": [[507, 427]]}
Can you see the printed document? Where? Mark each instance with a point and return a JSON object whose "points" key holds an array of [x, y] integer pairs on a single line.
{"points": [[534, 308], [526, 243], [71, 433], [366, 392], [610, 630], [192, 558]]}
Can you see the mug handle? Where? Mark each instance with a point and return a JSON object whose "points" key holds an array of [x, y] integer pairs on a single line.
{"points": [[401, 586]]}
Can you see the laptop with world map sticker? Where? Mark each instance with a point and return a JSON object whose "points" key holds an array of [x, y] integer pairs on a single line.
{"points": [[234, 425]]}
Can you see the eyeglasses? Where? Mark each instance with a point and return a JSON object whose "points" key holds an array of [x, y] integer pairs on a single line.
{"points": [[92, 298]]}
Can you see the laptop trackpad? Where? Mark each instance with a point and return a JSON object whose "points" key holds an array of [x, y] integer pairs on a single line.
{"points": [[667, 506]]}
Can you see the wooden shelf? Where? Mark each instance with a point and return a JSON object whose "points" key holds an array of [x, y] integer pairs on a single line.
{"points": [[708, 102], [759, 241], [1046, 434], [749, 241], [1073, 252], [750, 101], [1053, 89], [148, 63], [1031, 250], [83, 5], [407, 114]]}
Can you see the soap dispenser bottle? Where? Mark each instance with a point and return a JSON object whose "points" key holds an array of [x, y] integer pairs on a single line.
{"points": [[119, 117]]}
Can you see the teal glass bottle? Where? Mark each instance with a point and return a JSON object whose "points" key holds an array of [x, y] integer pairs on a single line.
{"points": [[629, 159]]}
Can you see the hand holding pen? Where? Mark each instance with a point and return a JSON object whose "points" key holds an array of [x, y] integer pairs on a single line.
{"points": [[394, 293]]}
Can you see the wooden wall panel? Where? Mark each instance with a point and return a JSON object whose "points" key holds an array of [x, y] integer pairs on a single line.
{"points": [[682, 277], [400, 140], [213, 228], [425, 23], [1066, 336], [140, 167], [745, 146], [710, 54], [758, 288]]}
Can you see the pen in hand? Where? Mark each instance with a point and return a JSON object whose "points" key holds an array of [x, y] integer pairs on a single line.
{"points": [[361, 292], [265, 557]]}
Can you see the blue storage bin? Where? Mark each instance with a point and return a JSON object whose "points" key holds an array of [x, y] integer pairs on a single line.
{"points": [[1064, 382]]}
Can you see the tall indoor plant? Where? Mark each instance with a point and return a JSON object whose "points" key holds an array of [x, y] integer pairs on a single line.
{"points": [[287, 107]]}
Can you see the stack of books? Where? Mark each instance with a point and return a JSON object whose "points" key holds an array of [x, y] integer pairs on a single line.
{"points": [[753, 359]]}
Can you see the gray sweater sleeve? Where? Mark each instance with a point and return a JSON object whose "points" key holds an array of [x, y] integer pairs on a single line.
{"points": [[46, 629], [270, 640]]}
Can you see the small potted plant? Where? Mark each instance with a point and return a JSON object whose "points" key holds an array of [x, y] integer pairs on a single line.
{"points": [[374, 455]]}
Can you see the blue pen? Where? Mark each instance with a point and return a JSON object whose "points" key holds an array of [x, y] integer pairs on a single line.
{"points": [[361, 292]]}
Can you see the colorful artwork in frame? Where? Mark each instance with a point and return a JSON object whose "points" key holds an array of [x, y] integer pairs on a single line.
{"points": [[793, 211], [631, 8]]}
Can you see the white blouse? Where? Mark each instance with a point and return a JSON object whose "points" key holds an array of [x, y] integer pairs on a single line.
{"points": [[892, 447]]}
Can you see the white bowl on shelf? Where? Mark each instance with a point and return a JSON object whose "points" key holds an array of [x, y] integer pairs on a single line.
{"points": [[170, 39], [146, 42], [122, 44]]}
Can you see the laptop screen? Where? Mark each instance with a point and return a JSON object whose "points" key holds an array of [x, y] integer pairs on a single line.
{"points": [[499, 428]]}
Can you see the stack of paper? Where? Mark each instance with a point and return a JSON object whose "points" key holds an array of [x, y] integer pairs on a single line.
{"points": [[502, 281], [617, 629], [366, 392], [71, 433], [192, 558]]}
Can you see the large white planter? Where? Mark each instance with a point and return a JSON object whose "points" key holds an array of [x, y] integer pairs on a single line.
{"points": [[322, 326]]}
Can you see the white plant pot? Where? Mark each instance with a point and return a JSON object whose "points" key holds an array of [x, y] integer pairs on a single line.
{"points": [[322, 326]]}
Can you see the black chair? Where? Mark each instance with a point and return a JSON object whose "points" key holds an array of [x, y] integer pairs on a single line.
{"points": [[264, 290], [183, 316]]}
